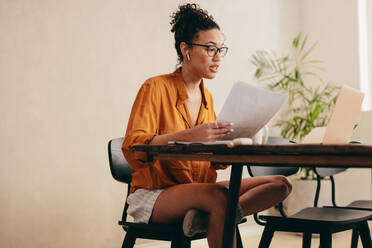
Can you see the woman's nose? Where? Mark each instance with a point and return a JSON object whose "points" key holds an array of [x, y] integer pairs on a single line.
{"points": [[217, 57]]}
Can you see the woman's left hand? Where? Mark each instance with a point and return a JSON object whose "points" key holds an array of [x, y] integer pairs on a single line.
{"points": [[211, 131]]}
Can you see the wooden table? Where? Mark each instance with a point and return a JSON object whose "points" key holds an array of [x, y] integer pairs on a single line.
{"points": [[350, 156]]}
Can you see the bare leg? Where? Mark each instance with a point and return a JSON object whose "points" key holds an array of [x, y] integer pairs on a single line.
{"points": [[260, 193], [173, 203], [256, 194]]}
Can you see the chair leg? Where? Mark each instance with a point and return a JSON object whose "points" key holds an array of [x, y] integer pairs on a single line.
{"points": [[181, 242], [354, 238], [306, 240], [267, 236], [239, 243], [129, 240], [365, 235], [325, 240]]}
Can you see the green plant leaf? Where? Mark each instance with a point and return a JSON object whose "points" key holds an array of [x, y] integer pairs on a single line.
{"points": [[291, 73], [308, 51], [303, 43], [296, 40]]}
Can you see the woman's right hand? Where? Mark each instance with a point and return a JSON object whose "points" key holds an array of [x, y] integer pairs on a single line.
{"points": [[211, 131]]}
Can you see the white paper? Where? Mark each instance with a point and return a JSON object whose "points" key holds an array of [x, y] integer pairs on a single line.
{"points": [[250, 108]]}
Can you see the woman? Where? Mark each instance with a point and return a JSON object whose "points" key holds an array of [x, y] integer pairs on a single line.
{"points": [[177, 106]]}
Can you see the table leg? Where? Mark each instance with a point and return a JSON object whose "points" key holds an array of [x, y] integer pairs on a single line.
{"points": [[232, 203]]}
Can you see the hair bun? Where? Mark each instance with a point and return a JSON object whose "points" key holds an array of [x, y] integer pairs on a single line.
{"points": [[187, 21], [187, 13]]}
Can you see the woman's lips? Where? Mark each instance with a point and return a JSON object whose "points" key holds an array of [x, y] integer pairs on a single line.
{"points": [[214, 68]]}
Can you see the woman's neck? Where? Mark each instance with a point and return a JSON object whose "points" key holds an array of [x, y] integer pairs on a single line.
{"points": [[192, 83]]}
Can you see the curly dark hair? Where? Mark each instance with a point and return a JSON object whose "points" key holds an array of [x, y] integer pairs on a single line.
{"points": [[186, 22]]}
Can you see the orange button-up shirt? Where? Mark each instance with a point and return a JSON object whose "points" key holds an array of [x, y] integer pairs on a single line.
{"points": [[160, 108]]}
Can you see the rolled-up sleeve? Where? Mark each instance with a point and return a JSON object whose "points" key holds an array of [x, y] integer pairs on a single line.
{"points": [[218, 166], [142, 125]]}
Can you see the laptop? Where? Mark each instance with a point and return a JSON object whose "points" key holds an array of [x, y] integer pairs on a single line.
{"points": [[342, 121]]}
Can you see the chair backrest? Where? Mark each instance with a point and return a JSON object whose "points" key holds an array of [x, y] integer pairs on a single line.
{"points": [[119, 167], [271, 170], [324, 172]]}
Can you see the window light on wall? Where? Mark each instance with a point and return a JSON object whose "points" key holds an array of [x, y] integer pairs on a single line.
{"points": [[365, 49]]}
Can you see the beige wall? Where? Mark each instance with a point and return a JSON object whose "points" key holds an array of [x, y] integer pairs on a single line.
{"points": [[69, 71], [365, 12], [334, 24]]}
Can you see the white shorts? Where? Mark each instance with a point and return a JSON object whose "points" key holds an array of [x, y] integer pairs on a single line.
{"points": [[141, 204], [142, 201]]}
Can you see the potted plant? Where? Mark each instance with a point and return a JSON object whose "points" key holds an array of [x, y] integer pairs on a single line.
{"points": [[310, 102], [310, 98]]}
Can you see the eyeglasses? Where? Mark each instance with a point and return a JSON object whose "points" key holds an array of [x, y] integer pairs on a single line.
{"points": [[212, 50]]}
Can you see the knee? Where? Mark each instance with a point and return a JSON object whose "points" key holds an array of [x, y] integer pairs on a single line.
{"points": [[282, 185], [219, 195]]}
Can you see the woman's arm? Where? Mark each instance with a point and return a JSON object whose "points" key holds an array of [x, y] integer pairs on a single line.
{"points": [[211, 131]]}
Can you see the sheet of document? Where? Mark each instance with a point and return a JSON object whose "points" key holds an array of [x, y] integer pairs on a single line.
{"points": [[250, 108]]}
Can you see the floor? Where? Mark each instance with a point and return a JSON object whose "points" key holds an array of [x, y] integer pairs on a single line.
{"points": [[282, 239], [251, 237]]}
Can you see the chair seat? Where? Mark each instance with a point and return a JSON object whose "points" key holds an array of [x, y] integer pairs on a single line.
{"points": [[164, 232], [309, 219], [159, 227], [361, 204]]}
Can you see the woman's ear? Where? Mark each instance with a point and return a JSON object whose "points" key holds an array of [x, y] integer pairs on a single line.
{"points": [[184, 50]]}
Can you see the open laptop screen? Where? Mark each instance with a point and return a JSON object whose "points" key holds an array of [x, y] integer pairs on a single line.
{"points": [[343, 118]]}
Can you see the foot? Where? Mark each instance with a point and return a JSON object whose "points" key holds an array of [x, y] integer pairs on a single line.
{"points": [[195, 221]]}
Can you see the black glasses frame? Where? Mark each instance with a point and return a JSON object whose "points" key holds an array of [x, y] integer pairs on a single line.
{"points": [[211, 53]]}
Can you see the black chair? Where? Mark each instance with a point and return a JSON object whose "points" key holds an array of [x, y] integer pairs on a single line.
{"points": [[324, 221], [121, 172], [365, 205], [270, 170]]}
